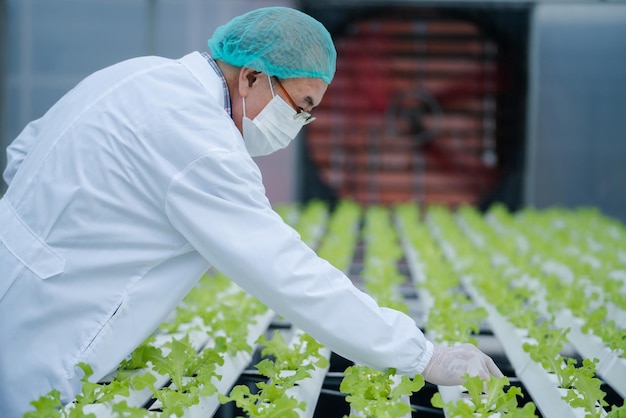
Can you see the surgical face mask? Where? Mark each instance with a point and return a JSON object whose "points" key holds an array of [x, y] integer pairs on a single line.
{"points": [[272, 129]]}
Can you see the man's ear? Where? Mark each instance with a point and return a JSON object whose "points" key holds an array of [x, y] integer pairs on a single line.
{"points": [[247, 77], [252, 78]]}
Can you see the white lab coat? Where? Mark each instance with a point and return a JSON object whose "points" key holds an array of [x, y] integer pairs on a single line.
{"points": [[120, 197]]}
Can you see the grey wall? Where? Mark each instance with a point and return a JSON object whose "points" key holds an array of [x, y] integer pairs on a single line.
{"points": [[3, 43], [577, 125], [52, 44]]}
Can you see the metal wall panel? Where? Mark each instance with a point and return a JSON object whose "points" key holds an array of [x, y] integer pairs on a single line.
{"points": [[3, 43], [577, 124]]}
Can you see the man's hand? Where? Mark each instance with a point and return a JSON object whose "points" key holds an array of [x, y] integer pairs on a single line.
{"points": [[449, 364]]}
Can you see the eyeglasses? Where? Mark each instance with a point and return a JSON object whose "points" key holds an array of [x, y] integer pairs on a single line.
{"points": [[300, 113]]}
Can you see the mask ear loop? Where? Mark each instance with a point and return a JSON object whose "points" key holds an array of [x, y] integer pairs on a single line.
{"points": [[271, 88], [269, 79]]}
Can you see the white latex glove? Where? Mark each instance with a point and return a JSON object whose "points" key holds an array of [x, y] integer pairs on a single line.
{"points": [[449, 364]]}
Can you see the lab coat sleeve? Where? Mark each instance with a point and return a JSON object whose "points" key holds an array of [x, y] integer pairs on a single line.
{"points": [[218, 203], [19, 148]]}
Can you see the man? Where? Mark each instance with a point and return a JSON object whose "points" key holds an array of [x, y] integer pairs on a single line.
{"points": [[142, 177]]}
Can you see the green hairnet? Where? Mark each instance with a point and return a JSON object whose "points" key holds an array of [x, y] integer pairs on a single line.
{"points": [[278, 41]]}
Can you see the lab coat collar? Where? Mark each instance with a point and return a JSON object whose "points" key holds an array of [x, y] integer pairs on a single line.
{"points": [[201, 69]]}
